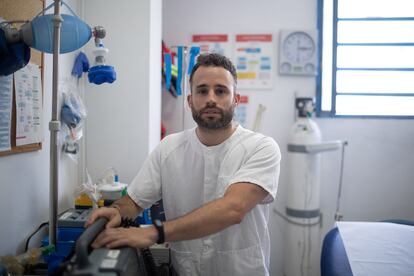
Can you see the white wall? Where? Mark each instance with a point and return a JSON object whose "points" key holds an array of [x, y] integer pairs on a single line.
{"points": [[123, 123], [378, 172], [379, 159], [24, 178]]}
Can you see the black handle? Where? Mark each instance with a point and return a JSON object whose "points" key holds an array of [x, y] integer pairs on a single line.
{"points": [[87, 237]]}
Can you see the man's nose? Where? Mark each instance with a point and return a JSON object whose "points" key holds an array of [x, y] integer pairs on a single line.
{"points": [[211, 97]]}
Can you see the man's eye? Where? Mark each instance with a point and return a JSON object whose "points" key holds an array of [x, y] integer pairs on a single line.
{"points": [[220, 91], [202, 91]]}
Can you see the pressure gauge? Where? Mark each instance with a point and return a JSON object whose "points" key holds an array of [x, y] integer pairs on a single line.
{"points": [[298, 52]]}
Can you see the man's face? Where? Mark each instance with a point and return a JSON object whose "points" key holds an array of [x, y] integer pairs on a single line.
{"points": [[213, 98]]}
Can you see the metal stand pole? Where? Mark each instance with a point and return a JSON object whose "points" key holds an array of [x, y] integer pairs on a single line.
{"points": [[338, 215], [54, 127]]}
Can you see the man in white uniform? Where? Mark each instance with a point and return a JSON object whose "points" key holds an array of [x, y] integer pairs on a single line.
{"points": [[216, 181]]}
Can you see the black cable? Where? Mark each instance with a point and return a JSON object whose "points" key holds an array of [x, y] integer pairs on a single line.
{"points": [[26, 247], [149, 261], [146, 252]]}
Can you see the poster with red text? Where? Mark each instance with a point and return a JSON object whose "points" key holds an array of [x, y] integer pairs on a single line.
{"points": [[217, 43], [254, 59]]}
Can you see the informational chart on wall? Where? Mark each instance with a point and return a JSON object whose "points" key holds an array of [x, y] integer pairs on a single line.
{"points": [[240, 113], [217, 43], [6, 100], [254, 58], [28, 105], [21, 94]]}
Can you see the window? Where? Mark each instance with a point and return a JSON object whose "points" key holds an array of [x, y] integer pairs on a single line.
{"points": [[367, 55]]}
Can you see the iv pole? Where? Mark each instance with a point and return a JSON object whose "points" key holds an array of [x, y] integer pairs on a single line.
{"points": [[54, 124], [54, 127]]}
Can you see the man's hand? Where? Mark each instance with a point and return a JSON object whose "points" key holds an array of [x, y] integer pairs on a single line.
{"points": [[112, 214], [134, 237]]}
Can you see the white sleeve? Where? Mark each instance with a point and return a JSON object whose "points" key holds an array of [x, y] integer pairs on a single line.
{"points": [[145, 189], [262, 168]]}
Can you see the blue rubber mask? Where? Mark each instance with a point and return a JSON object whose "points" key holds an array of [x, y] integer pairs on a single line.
{"points": [[101, 74]]}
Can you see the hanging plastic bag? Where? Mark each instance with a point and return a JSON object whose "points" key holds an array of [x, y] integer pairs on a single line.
{"points": [[72, 116]]}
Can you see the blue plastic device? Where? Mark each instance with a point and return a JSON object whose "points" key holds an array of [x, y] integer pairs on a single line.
{"points": [[102, 73]]}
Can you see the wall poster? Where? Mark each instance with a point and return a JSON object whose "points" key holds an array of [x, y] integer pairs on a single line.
{"points": [[217, 43], [254, 58]]}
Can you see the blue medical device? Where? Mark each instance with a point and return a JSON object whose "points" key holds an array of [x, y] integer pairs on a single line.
{"points": [[38, 34]]}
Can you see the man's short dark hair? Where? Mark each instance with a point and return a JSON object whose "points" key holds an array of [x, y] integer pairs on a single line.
{"points": [[214, 60]]}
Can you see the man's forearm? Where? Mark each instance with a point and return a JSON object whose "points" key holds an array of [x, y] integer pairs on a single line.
{"points": [[216, 215], [127, 207], [208, 219]]}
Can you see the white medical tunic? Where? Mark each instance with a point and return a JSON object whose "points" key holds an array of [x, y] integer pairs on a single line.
{"points": [[187, 174]]}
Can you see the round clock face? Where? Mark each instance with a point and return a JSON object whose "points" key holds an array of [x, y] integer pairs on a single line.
{"points": [[298, 47]]}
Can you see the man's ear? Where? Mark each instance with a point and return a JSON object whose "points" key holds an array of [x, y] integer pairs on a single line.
{"points": [[236, 99], [190, 100]]}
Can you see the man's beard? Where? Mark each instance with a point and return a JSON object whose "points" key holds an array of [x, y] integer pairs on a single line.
{"points": [[216, 123]]}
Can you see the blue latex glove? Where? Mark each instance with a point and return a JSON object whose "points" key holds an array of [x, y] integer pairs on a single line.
{"points": [[81, 65], [69, 117]]}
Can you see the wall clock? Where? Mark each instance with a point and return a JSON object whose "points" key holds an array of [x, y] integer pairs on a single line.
{"points": [[298, 52]]}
